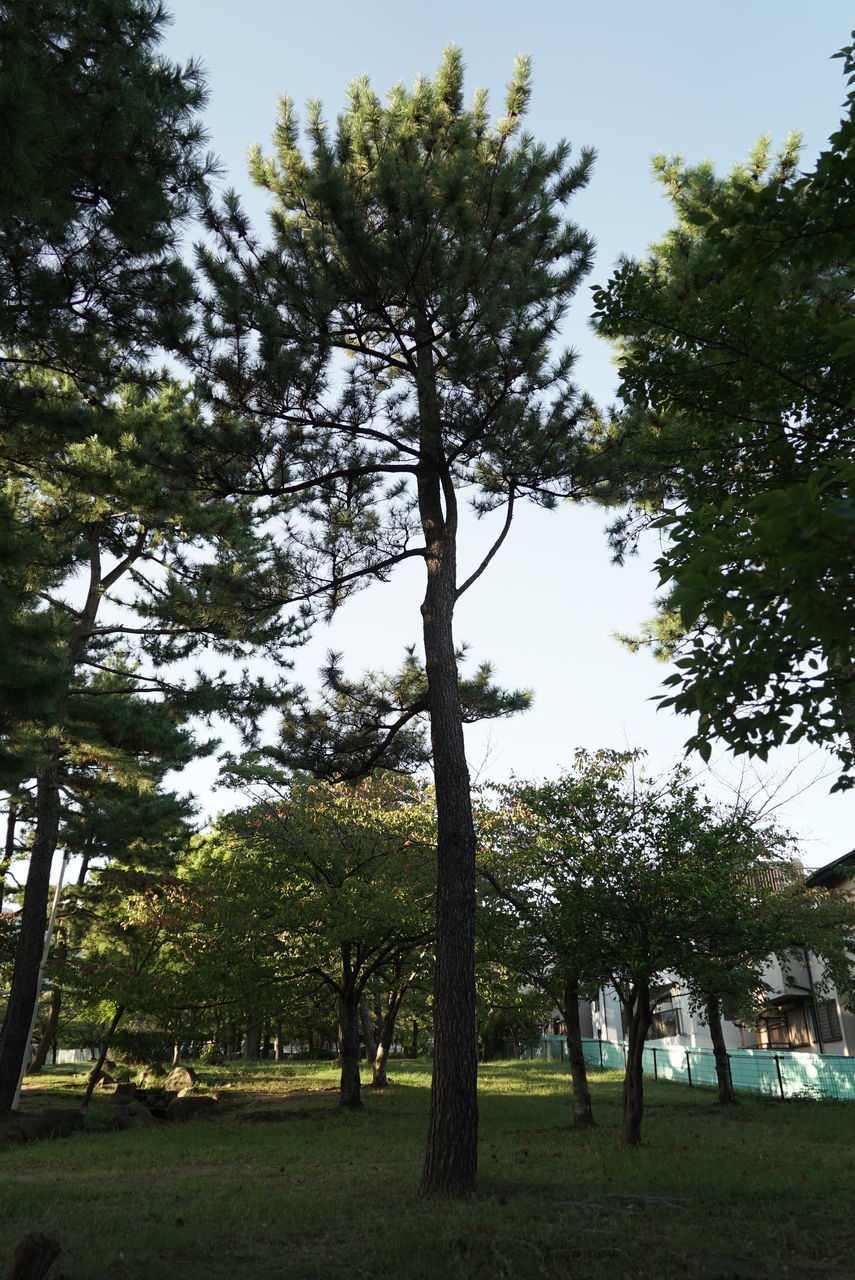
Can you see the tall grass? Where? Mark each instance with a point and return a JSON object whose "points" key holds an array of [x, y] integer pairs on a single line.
{"points": [[280, 1182]]}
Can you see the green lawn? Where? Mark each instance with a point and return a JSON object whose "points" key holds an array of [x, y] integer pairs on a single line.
{"points": [[280, 1183]]}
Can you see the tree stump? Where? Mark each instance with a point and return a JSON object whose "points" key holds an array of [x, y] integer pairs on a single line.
{"points": [[36, 1258]]}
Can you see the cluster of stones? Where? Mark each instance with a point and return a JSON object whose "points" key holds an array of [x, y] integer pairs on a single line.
{"points": [[137, 1106]]}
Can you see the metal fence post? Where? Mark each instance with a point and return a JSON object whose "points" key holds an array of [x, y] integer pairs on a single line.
{"points": [[601, 1053], [689, 1068], [655, 1071], [780, 1077]]}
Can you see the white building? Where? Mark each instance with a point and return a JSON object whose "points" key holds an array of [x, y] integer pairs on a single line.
{"points": [[796, 1017]]}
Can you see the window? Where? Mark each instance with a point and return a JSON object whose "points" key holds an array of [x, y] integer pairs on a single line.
{"points": [[666, 1022], [828, 1021]]}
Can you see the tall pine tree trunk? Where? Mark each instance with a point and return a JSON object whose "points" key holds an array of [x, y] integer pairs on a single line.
{"points": [[452, 1146], [637, 1015], [583, 1115], [23, 991], [726, 1092]]}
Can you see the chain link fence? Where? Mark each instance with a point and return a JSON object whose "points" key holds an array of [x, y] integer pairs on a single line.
{"points": [[760, 1071]]}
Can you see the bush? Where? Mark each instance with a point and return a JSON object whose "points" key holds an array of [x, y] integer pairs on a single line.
{"points": [[212, 1054]]}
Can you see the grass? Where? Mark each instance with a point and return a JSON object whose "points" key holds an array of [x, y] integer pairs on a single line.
{"points": [[282, 1182]]}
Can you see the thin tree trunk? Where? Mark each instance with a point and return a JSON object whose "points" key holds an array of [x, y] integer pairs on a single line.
{"points": [[8, 847], [49, 1032], [23, 991], [846, 695], [46, 1043], [95, 1073], [278, 1044], [48, 1040], [414, 1039], [583, 1115], [387, 1035], [637, 1015], [726, 1093], [367, 1031]]}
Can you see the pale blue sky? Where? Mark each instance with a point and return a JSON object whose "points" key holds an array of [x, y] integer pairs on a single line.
{"points": [[630, 79]]}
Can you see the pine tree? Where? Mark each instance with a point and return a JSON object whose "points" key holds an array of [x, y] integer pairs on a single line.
{"points": [[102, 157], [117, 748], [389, 354], [151, 568]]}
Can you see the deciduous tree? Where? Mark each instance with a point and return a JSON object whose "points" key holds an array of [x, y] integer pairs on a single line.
{"points": [[737, 372], [335, 885]]}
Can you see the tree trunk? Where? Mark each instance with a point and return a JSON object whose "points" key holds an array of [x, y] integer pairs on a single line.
{"points": [[637, 1018], [23, 991], [348, 1047], [36, 1258], [48, 1040], [95, 1073], [726, 1092], [49, 1033], [367, 1031], [387, 1035], [846, 695], [251, 1043], [583, 1115], [278, 1044], [414, 1040], [451, 1158], [8, 847]]}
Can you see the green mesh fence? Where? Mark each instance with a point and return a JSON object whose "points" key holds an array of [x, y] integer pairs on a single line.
{"points": [[783, 1075]]}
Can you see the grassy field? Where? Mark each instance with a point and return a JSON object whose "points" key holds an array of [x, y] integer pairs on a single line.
{"points": [[279, 1182]]}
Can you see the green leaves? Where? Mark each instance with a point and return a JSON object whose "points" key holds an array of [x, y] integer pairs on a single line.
{"points": [[738, 394], [615, 876]]}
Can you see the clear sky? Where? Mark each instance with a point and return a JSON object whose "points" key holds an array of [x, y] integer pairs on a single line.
{"points": [[630, 79]]}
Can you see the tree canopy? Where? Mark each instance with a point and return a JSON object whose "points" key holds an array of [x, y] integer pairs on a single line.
{"points": [[737, 370]]}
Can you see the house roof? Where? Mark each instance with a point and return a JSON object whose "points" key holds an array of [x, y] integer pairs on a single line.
{"points": [[831, 869]]}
